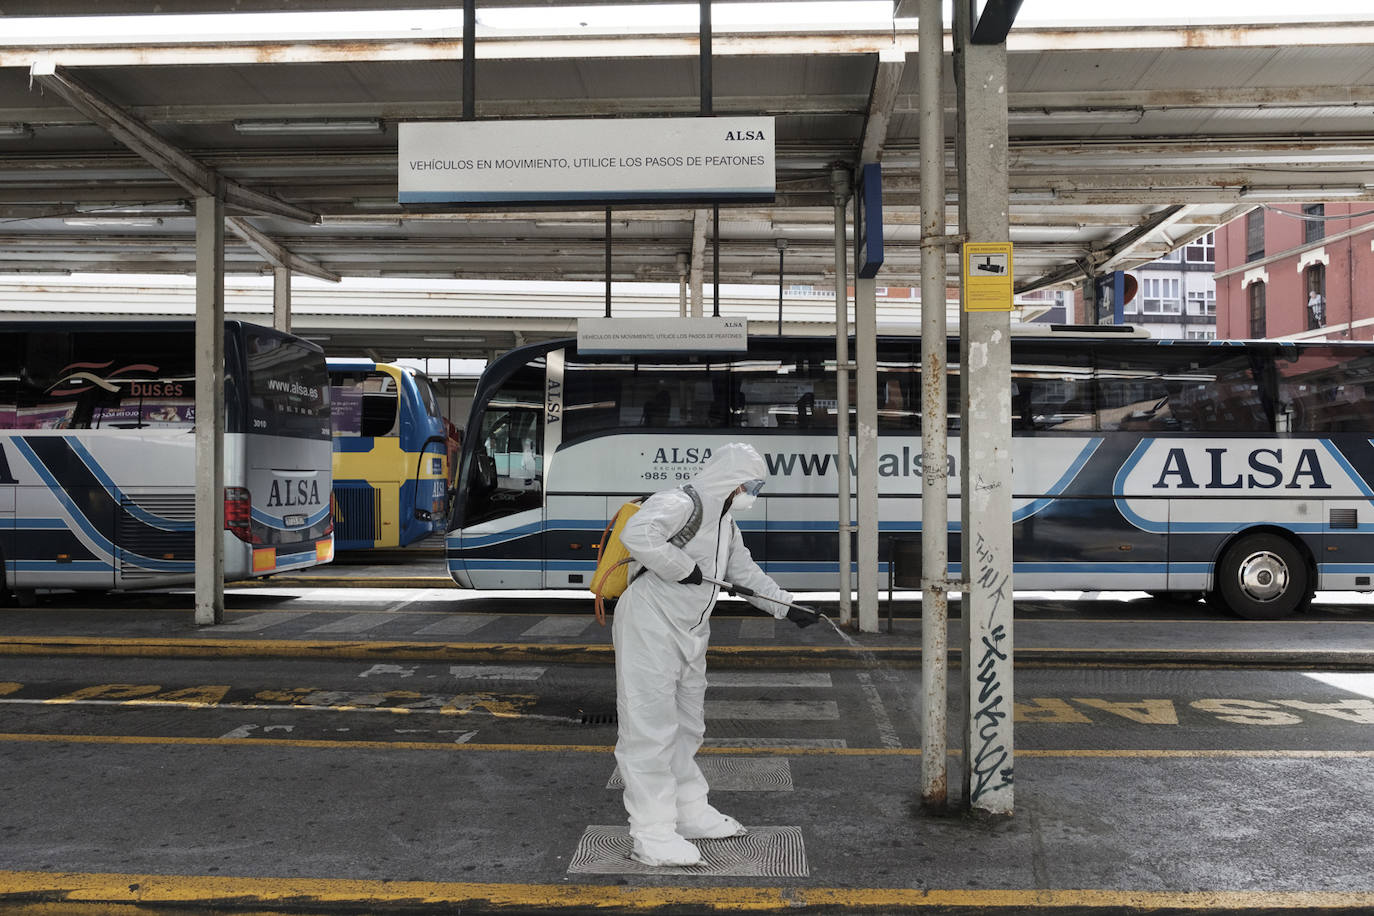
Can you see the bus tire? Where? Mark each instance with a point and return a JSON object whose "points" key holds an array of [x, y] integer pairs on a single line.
{"points": [[1263, 577]]}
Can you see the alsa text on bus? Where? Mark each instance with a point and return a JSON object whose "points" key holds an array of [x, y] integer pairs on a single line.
{"points": [[1228, 469], [301, 492]]}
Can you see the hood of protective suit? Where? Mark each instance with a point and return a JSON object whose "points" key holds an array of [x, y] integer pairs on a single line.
{"points": [[727, 468]]}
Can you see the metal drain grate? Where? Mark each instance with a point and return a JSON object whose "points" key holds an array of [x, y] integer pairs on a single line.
{"points": [[736, 774], [765, 852]]}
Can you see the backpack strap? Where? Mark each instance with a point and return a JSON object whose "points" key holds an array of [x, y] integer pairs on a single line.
{"points": [[693, 523]]}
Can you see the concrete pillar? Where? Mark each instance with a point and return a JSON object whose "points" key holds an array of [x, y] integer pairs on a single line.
{"points": [[281, 299], [209, 581], [840, 182], [866, 447], [985, 440]]}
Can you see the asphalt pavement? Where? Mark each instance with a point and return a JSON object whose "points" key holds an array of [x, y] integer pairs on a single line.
{"points": [[1203, 819]]}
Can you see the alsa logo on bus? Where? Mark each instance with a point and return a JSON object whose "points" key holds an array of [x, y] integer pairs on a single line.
{"points": [[1292, 466], [78, 378], [303, 492]]}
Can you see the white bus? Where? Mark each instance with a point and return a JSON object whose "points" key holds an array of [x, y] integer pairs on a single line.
{"points": [[97, 454], [1239, 471]]}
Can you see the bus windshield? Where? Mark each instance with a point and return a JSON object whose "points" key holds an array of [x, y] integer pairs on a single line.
{"points": [[288, 388]]}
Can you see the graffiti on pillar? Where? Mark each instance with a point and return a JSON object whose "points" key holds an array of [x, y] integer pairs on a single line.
{"points": [[990, 766]]}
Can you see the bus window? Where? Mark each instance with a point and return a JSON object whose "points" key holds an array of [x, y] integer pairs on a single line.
{"points": [[1138, 390], [593, 393], [363, 404], [288, 387], [787, 387], [1326, 390], [1051, 389], [507, 472]]}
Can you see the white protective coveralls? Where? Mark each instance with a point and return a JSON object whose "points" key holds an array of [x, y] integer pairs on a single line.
{"points": [[661, 630]]}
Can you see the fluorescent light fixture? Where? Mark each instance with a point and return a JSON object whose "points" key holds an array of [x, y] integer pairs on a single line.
{"points": [[164, 207], [15, 131], [1310, 195], [1038, 195], [376, 203], [467, 340], [311, 126], [103, 222], [1075, 115]]}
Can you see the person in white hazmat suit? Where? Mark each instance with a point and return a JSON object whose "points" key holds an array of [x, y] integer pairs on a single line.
{"points": [[661, 628]]}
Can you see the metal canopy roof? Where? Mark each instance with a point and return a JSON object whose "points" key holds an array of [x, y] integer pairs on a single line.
{"points": [[1125, 144]]}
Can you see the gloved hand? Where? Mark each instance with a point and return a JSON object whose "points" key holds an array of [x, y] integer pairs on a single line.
{"points": [[692, 578], [802, 618]]}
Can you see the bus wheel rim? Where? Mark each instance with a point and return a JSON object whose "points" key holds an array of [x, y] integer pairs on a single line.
{"points": [[1263, 576]]}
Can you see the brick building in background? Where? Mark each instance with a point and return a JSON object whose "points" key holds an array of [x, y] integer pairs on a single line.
{"points": [[1297, 271]]}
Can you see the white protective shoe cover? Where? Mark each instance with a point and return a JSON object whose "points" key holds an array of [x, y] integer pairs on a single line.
{"points": [[672, 850], [709, 824]]}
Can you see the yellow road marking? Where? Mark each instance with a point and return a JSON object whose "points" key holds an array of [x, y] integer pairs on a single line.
{"points": [[78, 888], [770, 751]]}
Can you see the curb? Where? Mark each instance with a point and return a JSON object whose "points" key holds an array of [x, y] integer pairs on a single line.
{"points": [[604, 653]]}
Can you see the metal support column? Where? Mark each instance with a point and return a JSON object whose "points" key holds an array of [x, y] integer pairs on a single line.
{"points": [[281, 299], [985, 420], [839, 179], [934, 434], [866, 446], [209, 538]]}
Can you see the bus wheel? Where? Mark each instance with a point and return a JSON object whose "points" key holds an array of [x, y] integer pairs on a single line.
{"points": [[1263, 577]]}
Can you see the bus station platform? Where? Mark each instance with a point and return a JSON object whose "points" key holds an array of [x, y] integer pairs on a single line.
{"points": [[1246, 821]]}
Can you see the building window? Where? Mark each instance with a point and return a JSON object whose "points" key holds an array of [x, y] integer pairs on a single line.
{"points": [[1202, 334], [1160, 296], [1202, 302], [1256, 310], [1254, 235], [1202, 250], [1314, 281], [1314, 226]]}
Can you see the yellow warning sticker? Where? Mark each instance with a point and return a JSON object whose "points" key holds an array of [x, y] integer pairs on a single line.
{"points": [[987, 277]]}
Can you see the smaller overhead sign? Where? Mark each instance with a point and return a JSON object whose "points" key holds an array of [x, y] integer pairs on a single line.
{"points": [[987, 277], [608, 161], [661, 335], [868, 222]]}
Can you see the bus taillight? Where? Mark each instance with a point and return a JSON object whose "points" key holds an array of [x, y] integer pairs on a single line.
{"points": [[238, 509]]}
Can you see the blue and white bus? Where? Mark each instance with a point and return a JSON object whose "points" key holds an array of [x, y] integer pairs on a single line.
{"points": [[391, 471], [1237, 470], [97, 454]]}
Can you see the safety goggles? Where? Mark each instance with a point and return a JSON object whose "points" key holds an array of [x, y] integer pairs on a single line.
{"points": [[752, 487]]}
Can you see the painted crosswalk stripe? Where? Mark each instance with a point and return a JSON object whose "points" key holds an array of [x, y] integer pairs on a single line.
{"points": [[496, 672], [255, 622], [773, 709], [353, 623], [559, 626], [769, 679], [458, 625]]}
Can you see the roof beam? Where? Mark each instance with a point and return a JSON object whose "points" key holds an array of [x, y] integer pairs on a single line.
{"points": [[275, 253], [196, 178], [994, 22], [1107, 253], [882, 101]]}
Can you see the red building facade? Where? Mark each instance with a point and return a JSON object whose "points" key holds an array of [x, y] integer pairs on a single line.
{"points": [[1297, 271]]}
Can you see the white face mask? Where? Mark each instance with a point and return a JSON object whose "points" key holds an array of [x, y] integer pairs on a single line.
{"points": [[742, 501]]}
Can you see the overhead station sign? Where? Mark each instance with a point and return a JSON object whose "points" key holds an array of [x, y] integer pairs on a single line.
{"points": [[609, 161], [662, 335]]}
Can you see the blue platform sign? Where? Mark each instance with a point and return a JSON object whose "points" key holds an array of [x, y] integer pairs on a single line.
{"points": [[868, 222]]}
